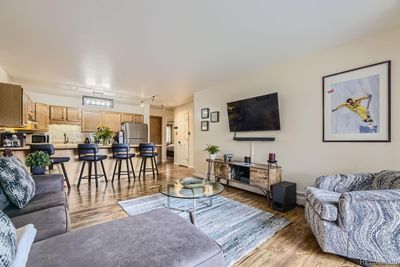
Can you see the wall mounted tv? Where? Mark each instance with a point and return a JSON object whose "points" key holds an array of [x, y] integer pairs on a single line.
{"points": [[259, 113]]}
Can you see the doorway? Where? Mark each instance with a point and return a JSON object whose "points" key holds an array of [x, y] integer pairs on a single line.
{"points": [[182, 139], [169, 139], [156, 130]]}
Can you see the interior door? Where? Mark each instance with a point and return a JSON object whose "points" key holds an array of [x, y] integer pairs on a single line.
{"points": [[156, 130], [182, 139]]}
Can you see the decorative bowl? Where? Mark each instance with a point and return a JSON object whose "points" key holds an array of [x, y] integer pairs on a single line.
{"points": [[192, 182]]}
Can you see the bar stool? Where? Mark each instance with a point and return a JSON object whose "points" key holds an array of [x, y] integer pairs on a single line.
{"points": [[49, 150], [120, 153], [88, 153], [147, 150]]}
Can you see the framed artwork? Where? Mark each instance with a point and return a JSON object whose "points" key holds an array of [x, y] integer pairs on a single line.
{"points": [[204, 125], [214, 116], [356, 105], [205, 113]]}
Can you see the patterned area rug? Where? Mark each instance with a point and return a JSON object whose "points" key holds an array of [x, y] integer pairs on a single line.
{"points": [[236, 227]]}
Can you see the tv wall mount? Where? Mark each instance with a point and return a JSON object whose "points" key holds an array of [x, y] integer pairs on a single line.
{"points": [[262, 139]]}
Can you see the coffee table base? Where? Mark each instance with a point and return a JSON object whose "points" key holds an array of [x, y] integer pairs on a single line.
{"points": [[192, 212]]}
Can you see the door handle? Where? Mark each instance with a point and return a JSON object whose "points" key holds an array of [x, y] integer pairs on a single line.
{"points": [[179, 142]]}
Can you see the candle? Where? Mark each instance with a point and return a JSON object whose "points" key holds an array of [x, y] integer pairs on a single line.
{"points": [[271, 157]]}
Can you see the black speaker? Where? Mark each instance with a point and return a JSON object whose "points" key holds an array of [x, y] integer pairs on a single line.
{"points": [[283, 196]]}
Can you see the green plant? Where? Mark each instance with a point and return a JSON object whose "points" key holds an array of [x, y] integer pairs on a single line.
{"points": [[212, 149], [104, 133], [38, 159]]}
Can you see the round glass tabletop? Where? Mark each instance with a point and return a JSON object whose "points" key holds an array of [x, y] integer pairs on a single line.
{"points": [[206, 189]]}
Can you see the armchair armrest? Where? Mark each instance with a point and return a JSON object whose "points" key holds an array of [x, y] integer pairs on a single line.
{"points": [[48, 183], [341, 183], [371, 219]]}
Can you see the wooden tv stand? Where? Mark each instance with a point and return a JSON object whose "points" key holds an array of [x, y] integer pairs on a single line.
{"points": [[261, 176]]}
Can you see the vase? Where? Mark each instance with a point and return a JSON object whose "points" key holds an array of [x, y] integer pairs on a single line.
{"points": [[38, 170], [213, 156]]}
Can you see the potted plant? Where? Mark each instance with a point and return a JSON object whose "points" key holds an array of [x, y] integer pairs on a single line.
{"points": [[212, 150], [104, 133], [38, 161]]}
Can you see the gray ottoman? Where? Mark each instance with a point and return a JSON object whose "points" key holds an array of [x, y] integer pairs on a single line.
{"points": [[156, 238]]}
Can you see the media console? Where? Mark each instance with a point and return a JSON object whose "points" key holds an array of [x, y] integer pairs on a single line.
{"points": [[261, 176]]}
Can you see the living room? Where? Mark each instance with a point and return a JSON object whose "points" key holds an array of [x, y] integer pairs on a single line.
{"points": [[212, 133]]}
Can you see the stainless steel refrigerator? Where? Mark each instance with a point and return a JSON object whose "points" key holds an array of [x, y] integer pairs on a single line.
{"points": [[135, 133]]}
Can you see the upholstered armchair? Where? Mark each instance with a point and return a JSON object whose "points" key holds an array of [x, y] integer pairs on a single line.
{"points": [[357, 215]]}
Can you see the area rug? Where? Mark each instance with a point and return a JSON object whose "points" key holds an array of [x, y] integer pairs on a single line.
{"points": [[236, 227]]}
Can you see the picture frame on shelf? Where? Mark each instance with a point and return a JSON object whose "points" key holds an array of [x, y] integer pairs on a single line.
{"points": [[204, 125], [205, 113], [214, 116], [356, 105]]}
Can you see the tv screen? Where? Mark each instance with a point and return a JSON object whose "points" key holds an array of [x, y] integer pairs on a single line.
{"points": [[259, 113]]}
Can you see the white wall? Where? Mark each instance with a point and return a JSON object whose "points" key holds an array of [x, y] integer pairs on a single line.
{"points": [[4, 78], [164, 114], [189, 107], [299, 147]]}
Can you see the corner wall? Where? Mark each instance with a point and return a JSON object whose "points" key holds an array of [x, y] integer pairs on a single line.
{"points": [[299, 147], [4, 78]]}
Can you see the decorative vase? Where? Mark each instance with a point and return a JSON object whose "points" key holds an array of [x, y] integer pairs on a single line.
{"points": [[213, 156], [105, 142], [38, 170]]}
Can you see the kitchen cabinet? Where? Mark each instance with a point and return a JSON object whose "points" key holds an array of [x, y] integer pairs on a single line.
{"points": [[42, 117], [112, 120], [74, 115], [12, 105], [127, 117], [139, 118], [64, 115], [57, 114], [91, 119]]}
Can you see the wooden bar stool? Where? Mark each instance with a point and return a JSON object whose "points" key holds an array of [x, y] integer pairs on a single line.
{"points": [[88, 153], [49, 149], [147, 151], [121, 153]]}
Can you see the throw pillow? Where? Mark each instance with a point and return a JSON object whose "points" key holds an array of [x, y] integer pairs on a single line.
{"points": [[16, 181], [25, 237], [8, 240], [386, 180], [4, 202]]}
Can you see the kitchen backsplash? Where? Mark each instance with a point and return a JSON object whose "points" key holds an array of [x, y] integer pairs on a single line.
{"points": [[73, 132]]}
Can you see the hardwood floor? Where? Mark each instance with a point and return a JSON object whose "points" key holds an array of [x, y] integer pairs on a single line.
{"points": [[293, 246]]}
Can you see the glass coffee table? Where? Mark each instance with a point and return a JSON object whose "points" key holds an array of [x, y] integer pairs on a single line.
{"points": [[204, 191]]}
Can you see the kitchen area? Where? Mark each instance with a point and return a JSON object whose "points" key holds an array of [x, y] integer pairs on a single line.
{"points": [[31, 118]]}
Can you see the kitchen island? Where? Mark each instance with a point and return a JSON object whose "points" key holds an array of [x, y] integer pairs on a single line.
{"points": [[73, 166]]}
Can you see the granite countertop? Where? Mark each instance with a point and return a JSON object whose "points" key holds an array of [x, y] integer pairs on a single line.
{"points": [[62, 146]]}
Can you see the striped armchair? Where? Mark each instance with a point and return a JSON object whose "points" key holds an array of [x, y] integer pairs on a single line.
{"points": [[357, 215]]}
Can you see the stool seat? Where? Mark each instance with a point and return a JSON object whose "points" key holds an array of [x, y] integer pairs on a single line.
{"points": [[93, 158], [57, 160], [123, 156]]}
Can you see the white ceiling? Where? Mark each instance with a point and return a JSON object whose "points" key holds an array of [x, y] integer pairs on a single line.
{"points": [[170, 48]]}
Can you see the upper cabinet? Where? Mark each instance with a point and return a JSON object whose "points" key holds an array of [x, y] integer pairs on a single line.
{"points": [[91, 119], [112, 120], [42, 117], [139, 118], [64, 115], [14, 106], [127, 117]]}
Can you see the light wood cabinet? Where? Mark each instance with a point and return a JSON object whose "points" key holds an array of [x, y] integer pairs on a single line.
{"points": [[127, 117], [112, 120], [57, 114], [74, 115], [139, 118], [12, 108], [265, 177], [91, 119], [42, 117]]}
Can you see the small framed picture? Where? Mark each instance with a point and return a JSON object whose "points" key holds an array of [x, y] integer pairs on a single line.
{"points": [[204, 125], [205, 113], [214, 116]]}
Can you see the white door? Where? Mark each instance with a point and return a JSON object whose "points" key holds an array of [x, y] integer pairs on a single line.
{"points": [[182, 139]]}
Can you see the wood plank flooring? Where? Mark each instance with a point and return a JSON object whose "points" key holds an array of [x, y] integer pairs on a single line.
{"points": [[293, 246]]}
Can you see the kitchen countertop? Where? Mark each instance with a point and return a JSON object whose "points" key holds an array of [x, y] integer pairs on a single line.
{"points": [[62, 146]]}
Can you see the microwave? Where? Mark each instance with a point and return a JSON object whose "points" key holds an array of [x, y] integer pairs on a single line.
{"points": [[38, 139]]}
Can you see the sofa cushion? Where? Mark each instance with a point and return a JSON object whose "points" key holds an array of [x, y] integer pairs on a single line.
{"points": [[325, 203], [8, 240], [16, 181], [39, 202], [4, 201], [155, 238], [25, 237], [49, 183], [48, 222], [386, 180]]}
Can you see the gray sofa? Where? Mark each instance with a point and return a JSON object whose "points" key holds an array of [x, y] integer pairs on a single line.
{"points": [[357, 215], [47, 210]]}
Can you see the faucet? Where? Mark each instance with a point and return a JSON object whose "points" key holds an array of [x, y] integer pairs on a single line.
{"points": [[66, 139]]}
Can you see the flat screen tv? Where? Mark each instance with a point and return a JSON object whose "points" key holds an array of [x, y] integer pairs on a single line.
{"points": [[259, 113]]}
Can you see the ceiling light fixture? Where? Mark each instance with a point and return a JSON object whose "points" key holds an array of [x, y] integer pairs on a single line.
{"points": [[97, 101], [146, 99]]}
